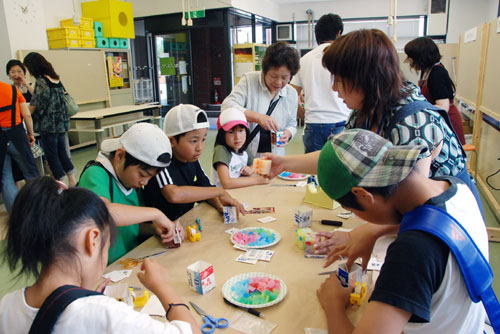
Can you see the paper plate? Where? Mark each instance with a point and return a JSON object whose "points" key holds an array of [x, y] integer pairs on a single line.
{"points": [[296, 176], [232, 296], [277, 237]]}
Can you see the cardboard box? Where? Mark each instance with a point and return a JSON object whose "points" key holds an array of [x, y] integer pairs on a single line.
{"points": [[120, 292], [229, 214], [201, 277], [350, 278], [303, 216]]}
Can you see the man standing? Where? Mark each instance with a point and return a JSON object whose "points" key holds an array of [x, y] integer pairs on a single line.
{"points": [[325, 112]]}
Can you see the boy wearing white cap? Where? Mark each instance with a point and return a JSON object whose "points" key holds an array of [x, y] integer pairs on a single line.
{"points": [[176, 188], [124, 165], [423, 286], [232, 158]]}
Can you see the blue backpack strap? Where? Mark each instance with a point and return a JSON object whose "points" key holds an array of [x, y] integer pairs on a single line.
{"points": [[476, 271], [54, 305], [414, 107]]}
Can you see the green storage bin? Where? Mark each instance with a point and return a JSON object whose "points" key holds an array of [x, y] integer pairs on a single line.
{"points": [[124, 43], [101, 42], [114, 43], [98, 29]]}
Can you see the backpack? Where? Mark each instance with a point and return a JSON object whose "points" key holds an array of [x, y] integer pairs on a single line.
{"points": [[98, 164]]}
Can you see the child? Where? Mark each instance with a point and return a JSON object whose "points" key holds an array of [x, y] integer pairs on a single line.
{"points": [[420, 288], [124, 165], [176, 188], [68, 246], [231, 157]]}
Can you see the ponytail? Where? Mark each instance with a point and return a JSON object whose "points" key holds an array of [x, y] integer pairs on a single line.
{"points": [[43, 220]]}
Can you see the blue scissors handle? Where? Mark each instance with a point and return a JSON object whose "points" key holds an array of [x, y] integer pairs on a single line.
{"points": [[210, 323]]}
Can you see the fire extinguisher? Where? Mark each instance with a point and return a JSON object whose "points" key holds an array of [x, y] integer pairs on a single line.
{"points": [[216, 96]]}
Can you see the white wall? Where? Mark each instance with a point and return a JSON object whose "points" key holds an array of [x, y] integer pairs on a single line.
{"points": [[5, 53], [159, 7], [466, 14], [352, 9]]}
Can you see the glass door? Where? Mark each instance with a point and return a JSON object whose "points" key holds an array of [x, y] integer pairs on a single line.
{"points": [[173, 66]]}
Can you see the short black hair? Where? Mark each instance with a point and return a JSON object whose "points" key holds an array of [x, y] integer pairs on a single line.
{"points": [[281, 54], [423, 52], [349, 200], [14, 62], [131, 161], [220, 139], [328, 27], [44, 218]]}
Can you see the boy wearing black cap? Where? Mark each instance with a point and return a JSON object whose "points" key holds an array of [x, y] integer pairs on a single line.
{"points": [[176, 188], [124, 165], [420, 288]]}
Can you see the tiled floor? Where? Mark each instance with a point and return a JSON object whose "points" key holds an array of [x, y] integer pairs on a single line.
{"points": [[82, 155]]}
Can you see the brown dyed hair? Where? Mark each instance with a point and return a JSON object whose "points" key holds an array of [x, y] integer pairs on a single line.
{"points": [[367, 61], [39, 66]]}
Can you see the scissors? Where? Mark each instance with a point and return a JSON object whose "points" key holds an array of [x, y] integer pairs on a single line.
{"points": [[129, 262], [210, 323]]}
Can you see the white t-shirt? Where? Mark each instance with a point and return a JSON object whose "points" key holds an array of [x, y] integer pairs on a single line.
{"points": [[234, 162], [321, 103], [92, 315]]}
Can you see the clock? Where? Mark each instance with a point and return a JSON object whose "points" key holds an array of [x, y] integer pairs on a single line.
{"points": [[24, 10]]}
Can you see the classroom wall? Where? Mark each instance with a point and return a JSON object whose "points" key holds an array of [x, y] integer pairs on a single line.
{"points": [[5, 49], [466, 14]]}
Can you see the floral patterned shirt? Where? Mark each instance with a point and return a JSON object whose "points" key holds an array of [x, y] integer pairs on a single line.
{"points": [[425, 127], [50, 115]]}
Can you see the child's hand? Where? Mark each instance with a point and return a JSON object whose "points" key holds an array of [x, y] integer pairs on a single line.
{"points": [[262, 179], [180, 229], [332, 296], [153, 275], [165, 228], [332, 239], [277, 164], [227, 200], [246, 171]]}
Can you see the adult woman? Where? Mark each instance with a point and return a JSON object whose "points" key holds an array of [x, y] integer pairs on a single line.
{"points": [[50, 117], [17, 73], [435, 83], [266, 98], [367, 76]]}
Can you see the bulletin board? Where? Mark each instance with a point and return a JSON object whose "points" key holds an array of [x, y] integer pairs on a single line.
{"points": [[83, 72], [469, 60]]}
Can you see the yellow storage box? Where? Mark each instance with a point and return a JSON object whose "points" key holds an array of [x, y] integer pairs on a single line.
{"points": [[87, 43], [116, 17], [87, 33], [64, 43], [85, 23], [63, 33]]}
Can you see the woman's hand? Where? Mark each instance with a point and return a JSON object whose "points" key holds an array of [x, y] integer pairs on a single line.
{"points": [[277, 164], [285, 137], [267, 122]]}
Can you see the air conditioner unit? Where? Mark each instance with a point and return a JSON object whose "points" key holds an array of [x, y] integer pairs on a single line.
{"points": [[437, 19], [284, 32]]}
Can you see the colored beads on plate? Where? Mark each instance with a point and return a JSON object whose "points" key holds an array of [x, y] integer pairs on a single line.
{"points": [[255, 237], [256, 290]]}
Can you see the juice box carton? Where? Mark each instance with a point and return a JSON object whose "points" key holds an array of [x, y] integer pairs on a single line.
{"points": [[201, 277]]}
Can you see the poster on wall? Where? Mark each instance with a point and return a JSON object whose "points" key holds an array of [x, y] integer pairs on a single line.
{"points": [[115, 71], [167, 66]]}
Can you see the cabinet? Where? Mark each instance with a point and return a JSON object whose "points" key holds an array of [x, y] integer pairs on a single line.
{"points": [[119, 73], [247, 57]]}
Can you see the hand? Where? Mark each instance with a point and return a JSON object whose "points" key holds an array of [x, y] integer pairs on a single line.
{"points": [[268, 123], [227, 200], [332, 296], [179, 228], [246, 171], [164, 227], [360, 244], [285, 137], [331, 240], [277, 164], [31, 139], [103, 285], [153, 275], [262, 179]]}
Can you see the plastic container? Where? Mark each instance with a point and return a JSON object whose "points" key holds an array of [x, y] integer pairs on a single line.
{"points": [[85, 23], [102, 42], [63, 33], [98, 29], [114, 43], [87, 33], [87, 43], [64, 43]]}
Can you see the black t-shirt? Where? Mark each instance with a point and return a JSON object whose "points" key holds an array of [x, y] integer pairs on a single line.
{"points": [[414, 267], [440, 84], [179, 174]]}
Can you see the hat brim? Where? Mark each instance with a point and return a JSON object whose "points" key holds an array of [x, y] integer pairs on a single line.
{"points": [[111, 145], [228, 126]]}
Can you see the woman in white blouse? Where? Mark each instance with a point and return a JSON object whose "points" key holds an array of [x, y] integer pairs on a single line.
{"points": [[258, 92]]}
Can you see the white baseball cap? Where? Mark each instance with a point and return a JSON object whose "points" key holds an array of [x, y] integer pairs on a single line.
{"points": [[231, 117], [144, 141], [184, 118]]}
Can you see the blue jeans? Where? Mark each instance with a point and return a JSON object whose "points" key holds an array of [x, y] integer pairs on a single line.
{"points": [[316, 134], [9, 189], [54, 145]]}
